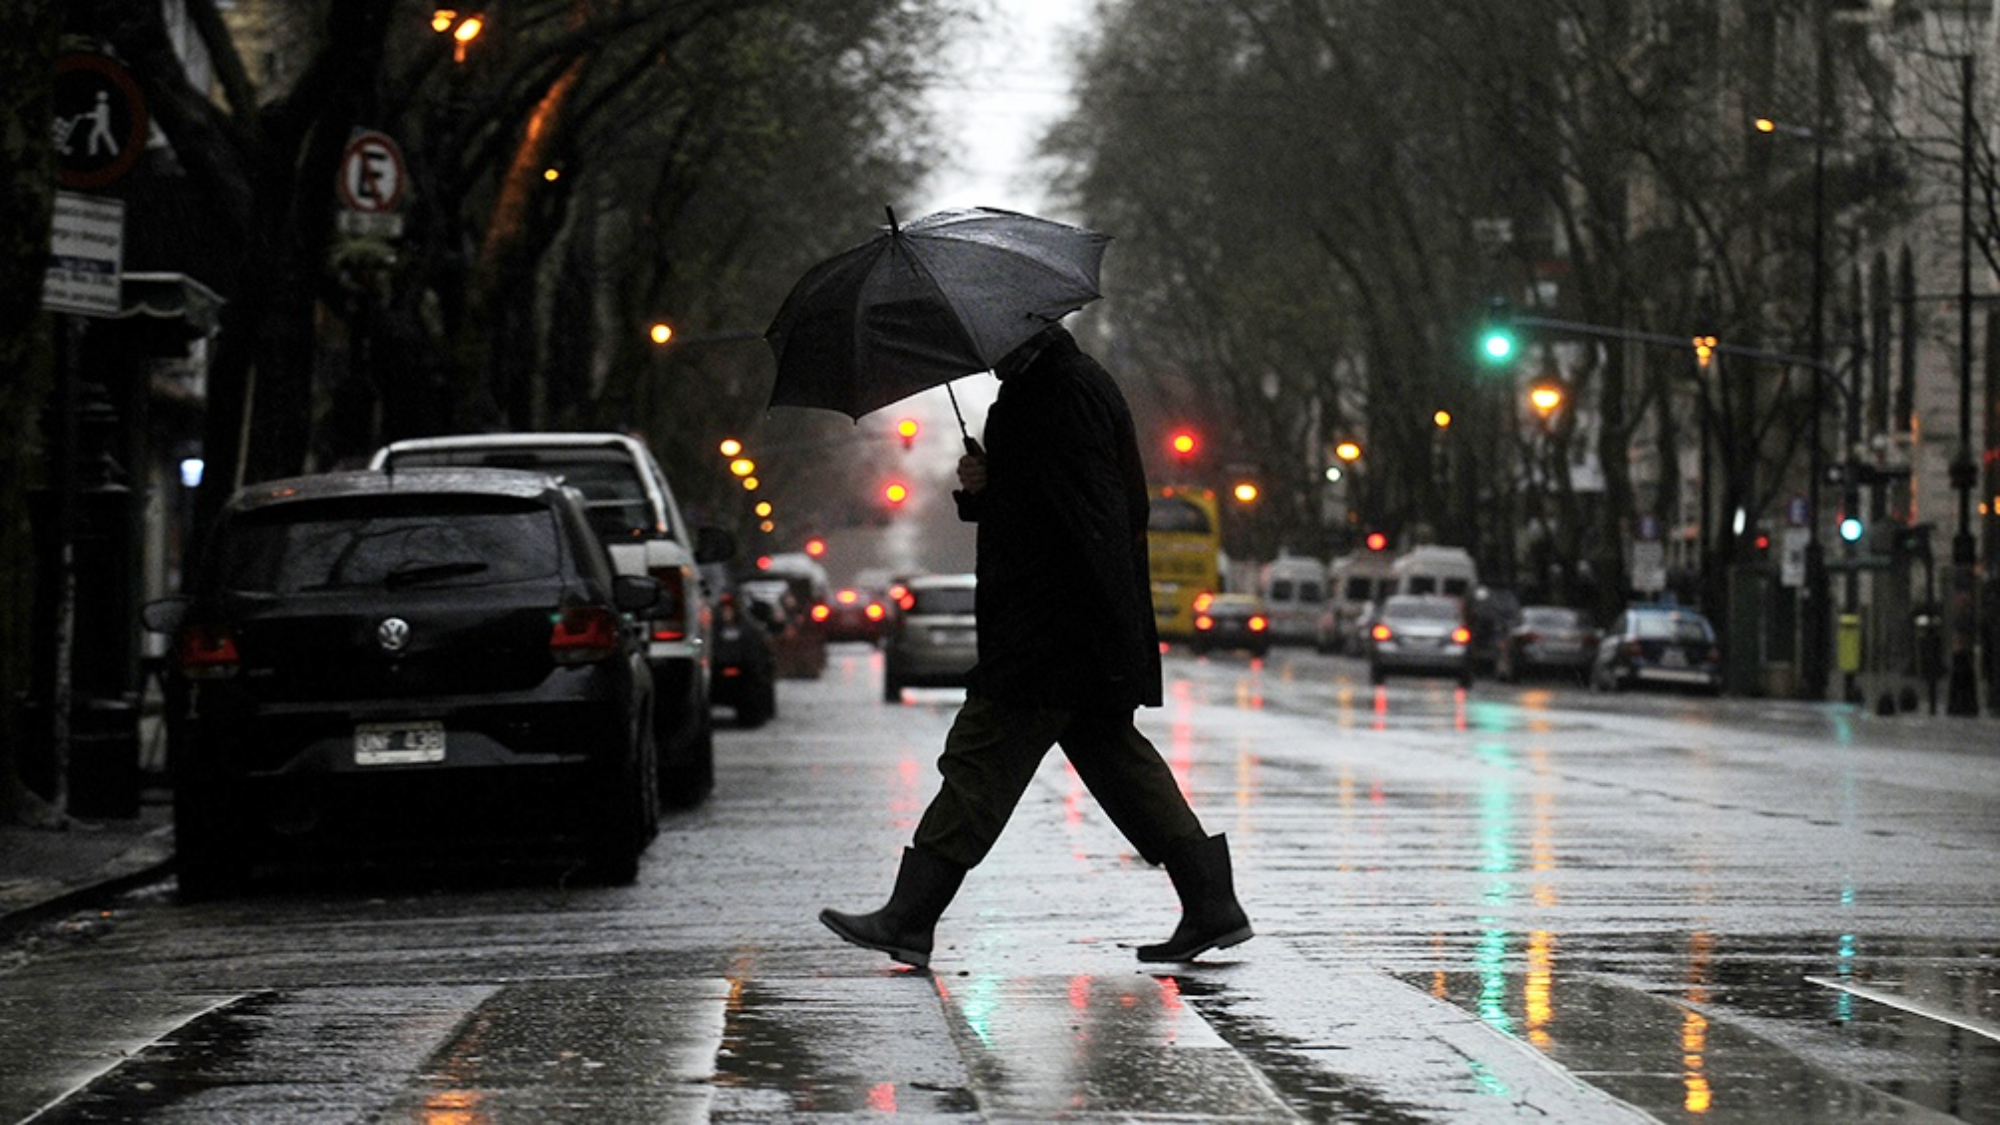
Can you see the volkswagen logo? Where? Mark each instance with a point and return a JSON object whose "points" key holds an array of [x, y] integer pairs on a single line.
{"points": [[393, 634]]}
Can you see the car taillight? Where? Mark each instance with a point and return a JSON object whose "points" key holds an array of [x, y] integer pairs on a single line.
{"points": [[907, 600], [1381, 633], [670, 613], [847, 597], [1257, 623], [1461, 635], [1201, 601], [820, 612], [1634, 648], [875, 612], [583, 634], [207, 652], [1204, 622]]}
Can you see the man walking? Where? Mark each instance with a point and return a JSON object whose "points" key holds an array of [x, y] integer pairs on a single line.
{"points": [[1067, 651]]}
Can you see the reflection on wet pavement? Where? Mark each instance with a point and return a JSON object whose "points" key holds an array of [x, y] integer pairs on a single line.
{"points": [[1046, 1047], [1703, 1050]]}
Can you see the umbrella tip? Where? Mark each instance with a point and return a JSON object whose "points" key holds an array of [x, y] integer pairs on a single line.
{"points": [[891, 212]]}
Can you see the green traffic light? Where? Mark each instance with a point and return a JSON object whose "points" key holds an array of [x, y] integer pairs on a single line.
{"points": [[1850, 529], [1497, 345]]}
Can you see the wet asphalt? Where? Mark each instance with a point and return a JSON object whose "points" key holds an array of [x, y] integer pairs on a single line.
{"points": [[1508, 904]]}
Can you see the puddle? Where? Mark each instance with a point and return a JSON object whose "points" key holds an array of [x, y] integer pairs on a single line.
{"points": [[1740, 1032]]}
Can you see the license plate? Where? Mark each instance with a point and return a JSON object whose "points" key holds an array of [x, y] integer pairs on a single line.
{"points": [[398, 744], [1673, 658]]}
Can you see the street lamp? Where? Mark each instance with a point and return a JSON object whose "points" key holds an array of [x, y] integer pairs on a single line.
{"points": [[1962, 693], [1816, 619]]}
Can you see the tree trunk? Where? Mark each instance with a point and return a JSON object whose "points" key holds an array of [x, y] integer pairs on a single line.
{"points": [[28, 34]]}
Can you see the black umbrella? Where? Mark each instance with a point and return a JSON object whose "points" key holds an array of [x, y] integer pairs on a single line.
{"points": [[924, 303]]}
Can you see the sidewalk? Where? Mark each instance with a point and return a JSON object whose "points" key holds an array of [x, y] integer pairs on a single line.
{"points": [[45, 873]]}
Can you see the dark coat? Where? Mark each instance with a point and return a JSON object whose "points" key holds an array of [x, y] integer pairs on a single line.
{"points": [[1064, 603]]}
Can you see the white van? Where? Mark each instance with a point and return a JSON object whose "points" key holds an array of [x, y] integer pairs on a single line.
{"points": [[1435, 570], [1294, 591], [1354, 582]]}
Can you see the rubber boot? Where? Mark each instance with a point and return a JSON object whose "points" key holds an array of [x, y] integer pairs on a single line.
{"points": [[1211, 918], [904, 927]]}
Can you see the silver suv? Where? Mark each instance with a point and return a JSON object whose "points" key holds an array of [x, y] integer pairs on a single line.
{"points": [[632, 509]]}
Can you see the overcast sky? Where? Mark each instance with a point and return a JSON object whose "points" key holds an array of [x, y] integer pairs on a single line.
{"points": [[1012, 84]]}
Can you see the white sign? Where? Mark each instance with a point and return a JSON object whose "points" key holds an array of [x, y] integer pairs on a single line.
{"points": [[1649, 566], [1792, 566], [369, 224], [86, 252], [371, 173]]}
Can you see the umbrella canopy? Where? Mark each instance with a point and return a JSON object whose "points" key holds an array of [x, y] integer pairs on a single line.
{"points": [[923, 303]]}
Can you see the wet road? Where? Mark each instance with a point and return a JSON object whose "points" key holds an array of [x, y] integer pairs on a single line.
{"points": [[1508, 904]]}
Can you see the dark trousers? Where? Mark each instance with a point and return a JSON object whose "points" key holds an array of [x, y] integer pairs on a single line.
{"points": [[994, 749]]}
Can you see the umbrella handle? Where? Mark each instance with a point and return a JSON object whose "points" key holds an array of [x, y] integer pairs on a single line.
{"points": [[972, 446]]}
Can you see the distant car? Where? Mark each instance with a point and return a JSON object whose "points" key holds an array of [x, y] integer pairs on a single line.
{"points": [[439, 659], [1548, 639], [1231, 621], [934, 640], [797, 642], [1425, 634], [855, 613], [744, 669], [1659, 644], [632, 507]]}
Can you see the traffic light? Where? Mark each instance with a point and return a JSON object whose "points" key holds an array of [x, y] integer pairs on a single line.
{"points": [[1851, 528], [1349, 451], [661, 332], [1245, 492], [816, 547], [1441, 419], [896, 492], [907, 430], [1704, 350], [1377, 541], [1183, 444]]}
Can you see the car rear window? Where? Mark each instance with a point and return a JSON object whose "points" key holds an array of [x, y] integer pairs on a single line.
{"points": [[614, 495], [1552, 619], [1671, 627], [941, 599], [386, 541], [1422, 610]]}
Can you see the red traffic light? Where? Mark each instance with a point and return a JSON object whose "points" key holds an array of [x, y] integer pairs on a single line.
{"points": [[1183, 443], [896, 492], [815, 547], [1377, 541], [907, 430]]}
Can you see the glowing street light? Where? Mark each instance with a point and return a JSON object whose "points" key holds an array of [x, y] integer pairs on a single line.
{"points": [[730, 447], [661, 331]]}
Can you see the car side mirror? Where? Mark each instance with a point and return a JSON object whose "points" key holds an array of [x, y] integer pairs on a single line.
{"points": [[165, 615], [634, 593], [713, 545]]}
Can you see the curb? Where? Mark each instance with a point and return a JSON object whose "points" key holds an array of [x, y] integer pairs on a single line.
{"points": [[147, 862]]}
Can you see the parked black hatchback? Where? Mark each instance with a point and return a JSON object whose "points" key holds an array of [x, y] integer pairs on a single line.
{"points": [[426, 663]]}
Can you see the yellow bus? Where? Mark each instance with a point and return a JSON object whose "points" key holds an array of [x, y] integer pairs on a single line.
{"points": [[1184, 545]]}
